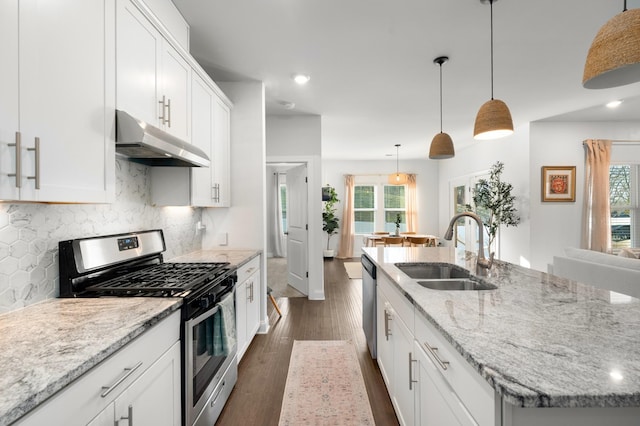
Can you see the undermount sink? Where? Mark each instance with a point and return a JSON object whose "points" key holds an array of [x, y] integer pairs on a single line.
{"points": [[457, 284], [443, 276], [430, 271]]}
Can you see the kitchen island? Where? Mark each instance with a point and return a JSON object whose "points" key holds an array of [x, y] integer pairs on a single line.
{"points": [[554, 351]]}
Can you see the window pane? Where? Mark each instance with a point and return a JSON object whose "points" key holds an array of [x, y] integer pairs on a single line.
{"points": [[390, 220], [620, 185], [283, 205], [620, 228], [364, 222], [364, 197], [394, 197]]}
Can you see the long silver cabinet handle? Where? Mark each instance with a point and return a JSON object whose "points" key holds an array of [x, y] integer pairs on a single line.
{"points": [[129, 415], [387, 318], [36, 148], [433, 351], [249, 286], [127, 372], [18, 172], [411, 381]]}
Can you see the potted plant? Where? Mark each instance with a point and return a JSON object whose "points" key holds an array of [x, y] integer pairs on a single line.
{"points": [[494, 203], [330, 223]]}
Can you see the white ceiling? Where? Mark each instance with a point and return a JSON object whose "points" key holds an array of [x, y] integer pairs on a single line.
{"points": [[373, 80]]}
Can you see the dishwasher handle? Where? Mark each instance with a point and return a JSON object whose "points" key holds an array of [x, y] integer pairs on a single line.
{"points": [[368, 266]]}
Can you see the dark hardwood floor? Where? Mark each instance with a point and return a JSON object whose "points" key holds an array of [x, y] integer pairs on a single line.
{"points": [[257, 396]]}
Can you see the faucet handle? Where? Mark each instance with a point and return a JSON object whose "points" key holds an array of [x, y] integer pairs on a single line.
{"points": [[486, 263]]}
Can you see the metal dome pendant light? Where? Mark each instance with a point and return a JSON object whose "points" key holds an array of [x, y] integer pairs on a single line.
{"points": [[441, 145], [494, 119], [614, 56], [398, 178]]}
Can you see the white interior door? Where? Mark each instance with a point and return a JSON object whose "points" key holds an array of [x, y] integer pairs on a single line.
{"points": [[297, 255]]}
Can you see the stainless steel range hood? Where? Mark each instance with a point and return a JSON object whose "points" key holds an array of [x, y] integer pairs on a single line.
{"points": [[143, 143]]}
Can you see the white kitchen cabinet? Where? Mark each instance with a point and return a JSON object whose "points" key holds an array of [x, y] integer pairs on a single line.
{"points": [[248, 303], [199, 186], [145, 374], [153, 78], [467, 395], [63, 98], [394, 353]]}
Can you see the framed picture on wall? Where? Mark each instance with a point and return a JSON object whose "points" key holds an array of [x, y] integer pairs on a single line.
{"points": [[559, 183]]}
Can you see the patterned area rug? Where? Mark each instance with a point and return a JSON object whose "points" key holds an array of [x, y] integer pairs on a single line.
{"points": [[325, 386]]}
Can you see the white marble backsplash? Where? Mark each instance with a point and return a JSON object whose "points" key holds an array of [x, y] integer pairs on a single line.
{"points": [[29, 233]]}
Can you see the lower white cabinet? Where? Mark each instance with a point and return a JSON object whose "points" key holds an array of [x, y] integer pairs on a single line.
{"points": [[248, 297], [141, 379], [428, 381]]}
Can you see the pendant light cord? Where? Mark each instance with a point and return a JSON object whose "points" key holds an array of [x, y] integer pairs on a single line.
{"points": [[440, 97], [491, 8], [625, 6], [397, 160]]}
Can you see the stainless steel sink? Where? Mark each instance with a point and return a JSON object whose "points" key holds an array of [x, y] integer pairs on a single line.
{"points": [[457, 284], [430, 271]]}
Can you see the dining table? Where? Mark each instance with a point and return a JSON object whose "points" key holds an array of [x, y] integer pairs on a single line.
{"points": [[371, 240]]}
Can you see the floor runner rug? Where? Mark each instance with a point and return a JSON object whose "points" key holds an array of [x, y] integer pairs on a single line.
{"points": [[354, 269], [325, 386]]}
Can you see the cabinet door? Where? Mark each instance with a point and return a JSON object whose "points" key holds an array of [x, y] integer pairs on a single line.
{"points": [[221, 153], [384, 339], [202, 96], [8, 98], [436, 403], [176, 89], [138, 58], [403, 367], [66, 100], [241, 318], [253, 305], [155, 397]]}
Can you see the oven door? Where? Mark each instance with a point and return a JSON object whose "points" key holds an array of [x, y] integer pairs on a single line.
{"points": [[210, 347]]}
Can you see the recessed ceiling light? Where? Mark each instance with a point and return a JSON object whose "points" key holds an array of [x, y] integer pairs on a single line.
{"points": [[614, 104], [301, 78]]}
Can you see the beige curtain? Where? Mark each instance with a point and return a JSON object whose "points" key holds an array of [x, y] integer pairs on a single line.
{"points": [[347, 234], [596, 211], [412, 204]]}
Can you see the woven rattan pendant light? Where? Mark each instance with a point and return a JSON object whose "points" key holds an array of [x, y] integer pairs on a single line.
{"points": [[494, 119], [398, 178], [441, 145], [614, 57]]}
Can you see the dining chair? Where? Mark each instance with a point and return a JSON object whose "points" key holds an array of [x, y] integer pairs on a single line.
{"points": [[408, 233], [378, 242], [418, 241], [395, 241]]}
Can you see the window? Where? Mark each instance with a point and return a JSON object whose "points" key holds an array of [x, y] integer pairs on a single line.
{"points": [[376, 207], [283, 207], [624, 192]]}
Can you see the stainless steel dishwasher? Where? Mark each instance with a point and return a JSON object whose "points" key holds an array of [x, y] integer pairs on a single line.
{"points": [[369, 302]]}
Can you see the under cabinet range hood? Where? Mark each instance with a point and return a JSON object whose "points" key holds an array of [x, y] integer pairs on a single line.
{"points": [[143, 143]]}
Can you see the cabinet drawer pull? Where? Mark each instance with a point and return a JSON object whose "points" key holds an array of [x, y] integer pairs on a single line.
{"points": [[18, 172], [411, 381], [36, 148], [387, 318], [127, 372], [433, 351]]}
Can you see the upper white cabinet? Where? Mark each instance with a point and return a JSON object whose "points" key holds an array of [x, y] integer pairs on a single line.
{"points": [[153, 78], [57, 89], [221, 149]]}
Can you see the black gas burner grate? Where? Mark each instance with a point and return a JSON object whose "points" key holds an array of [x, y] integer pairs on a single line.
{"points": [[167, 279]]}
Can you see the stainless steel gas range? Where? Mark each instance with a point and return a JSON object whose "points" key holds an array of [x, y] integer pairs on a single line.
{"points": [[132, 265]]}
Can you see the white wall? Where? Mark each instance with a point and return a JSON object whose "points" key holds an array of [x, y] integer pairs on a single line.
{"points": [[297, 139], [426, 171], [555, 226], [478, 158]]}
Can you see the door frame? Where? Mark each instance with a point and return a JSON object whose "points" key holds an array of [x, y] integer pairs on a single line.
{"points": [[314, 219]]}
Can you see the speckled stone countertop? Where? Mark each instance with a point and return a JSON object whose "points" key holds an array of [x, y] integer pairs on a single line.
{"points": [[46, 346], [539, 340], [234, 257]]}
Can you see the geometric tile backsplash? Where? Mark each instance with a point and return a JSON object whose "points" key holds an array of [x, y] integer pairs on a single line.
{"points": [[29, 233]]}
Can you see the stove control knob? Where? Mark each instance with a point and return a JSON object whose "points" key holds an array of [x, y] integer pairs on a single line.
{"points": [[204, 302]]}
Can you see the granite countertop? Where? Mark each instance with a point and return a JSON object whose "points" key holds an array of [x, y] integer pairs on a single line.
{"points": [[538, 340], [235, 257], [45, 346]]}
